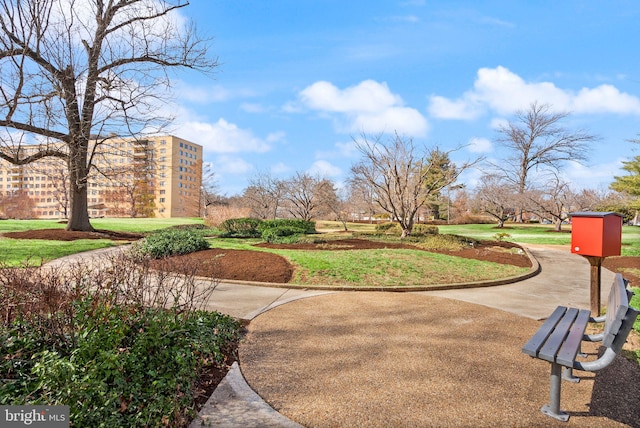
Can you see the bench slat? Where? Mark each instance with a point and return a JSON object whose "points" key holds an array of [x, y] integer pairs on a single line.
{"points": [[571, 346], [533, 346], [554, 342]]}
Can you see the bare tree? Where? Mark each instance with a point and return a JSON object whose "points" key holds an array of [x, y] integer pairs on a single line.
{"points": [[58, 179], [338, 204], [209, 189], [264, 195], [555, 201], [401, 178], [74, 72], [535, 141], [17, 205], [496, 197], [308, 197], [361, 197]]}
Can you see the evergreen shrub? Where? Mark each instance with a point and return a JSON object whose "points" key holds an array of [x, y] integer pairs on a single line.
{"points": [[171, 242], [244, 227]]}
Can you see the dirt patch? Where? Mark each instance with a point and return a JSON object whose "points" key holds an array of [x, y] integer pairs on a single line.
{"points": [[623, 265], [67, 235], [243, 265]]}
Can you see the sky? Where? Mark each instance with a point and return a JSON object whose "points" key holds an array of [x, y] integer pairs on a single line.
{"points": [[299, 80]]}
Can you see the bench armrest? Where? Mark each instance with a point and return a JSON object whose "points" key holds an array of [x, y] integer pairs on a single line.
{"points": [[593, 337], [599, 364]]}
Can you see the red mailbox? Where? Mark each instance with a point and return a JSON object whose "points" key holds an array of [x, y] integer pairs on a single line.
{"points": [[596, 234]]}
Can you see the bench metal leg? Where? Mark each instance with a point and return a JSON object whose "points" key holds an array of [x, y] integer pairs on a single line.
{"points": [[553, 408], [567, 374]]}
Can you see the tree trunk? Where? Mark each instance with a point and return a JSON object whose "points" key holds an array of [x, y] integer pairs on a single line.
{"points": [[79, 218], [558, 225], [78, 171]]}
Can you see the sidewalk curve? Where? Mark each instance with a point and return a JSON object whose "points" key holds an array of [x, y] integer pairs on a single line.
{"points": [[563, 280]]}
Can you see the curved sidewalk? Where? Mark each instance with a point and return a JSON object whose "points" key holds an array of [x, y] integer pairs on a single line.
{"points": [[563, 280]]}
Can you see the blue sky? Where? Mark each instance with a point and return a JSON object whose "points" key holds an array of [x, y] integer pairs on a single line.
{"points": [[299, 79]]}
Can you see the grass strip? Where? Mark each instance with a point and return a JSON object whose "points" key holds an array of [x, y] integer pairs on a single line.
{"points": [[34, 252]]}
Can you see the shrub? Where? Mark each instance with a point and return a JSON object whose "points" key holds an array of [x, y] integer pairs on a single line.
{"points": [[443, 242], [282, 234], [241, 227], [424, 230], [195, 227], [389, 228], [304, 225], [89, 340], [286, 230], [171, 242], [501, 236]]}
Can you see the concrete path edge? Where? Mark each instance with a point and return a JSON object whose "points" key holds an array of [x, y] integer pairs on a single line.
{"points": [[234, 403]]}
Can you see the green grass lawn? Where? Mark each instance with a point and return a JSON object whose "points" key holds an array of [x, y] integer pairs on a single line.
{"points": [[14, 252], [390, 267], [379, 268], [34, 252]]}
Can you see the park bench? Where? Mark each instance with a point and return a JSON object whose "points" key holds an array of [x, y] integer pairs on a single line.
{"points": [[559, 340]]}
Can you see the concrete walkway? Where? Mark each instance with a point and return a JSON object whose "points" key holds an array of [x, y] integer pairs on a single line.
{"points": [[564, 279]]}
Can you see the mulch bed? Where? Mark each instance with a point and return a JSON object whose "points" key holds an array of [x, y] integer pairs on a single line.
{"points": [[67, 235], [240, 265]]}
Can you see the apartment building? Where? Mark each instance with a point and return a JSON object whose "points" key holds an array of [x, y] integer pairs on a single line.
{"points": [[158, 176]]}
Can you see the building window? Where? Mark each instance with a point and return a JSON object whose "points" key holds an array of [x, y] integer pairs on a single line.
{"points": [[162, 199]]}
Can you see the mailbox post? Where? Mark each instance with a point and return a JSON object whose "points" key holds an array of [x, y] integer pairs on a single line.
{"points": [[596, 235]]}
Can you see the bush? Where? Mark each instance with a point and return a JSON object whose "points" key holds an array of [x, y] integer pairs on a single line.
{"points": [[304, 225], [389, 228], [424, 230], [443, 242], [241, 227], [90, 341], [285, 231], [171, 242], [282, 234]]}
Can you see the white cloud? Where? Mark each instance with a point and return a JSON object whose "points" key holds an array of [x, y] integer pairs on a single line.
{"points": [[444, 108], [366, 107], [504, 92], [275, 137], [223, 137], [480, 145], [226, 164], [281, 168], [324, 169], [367, 96], [592, 176], [340, 150], [498, 122]]}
